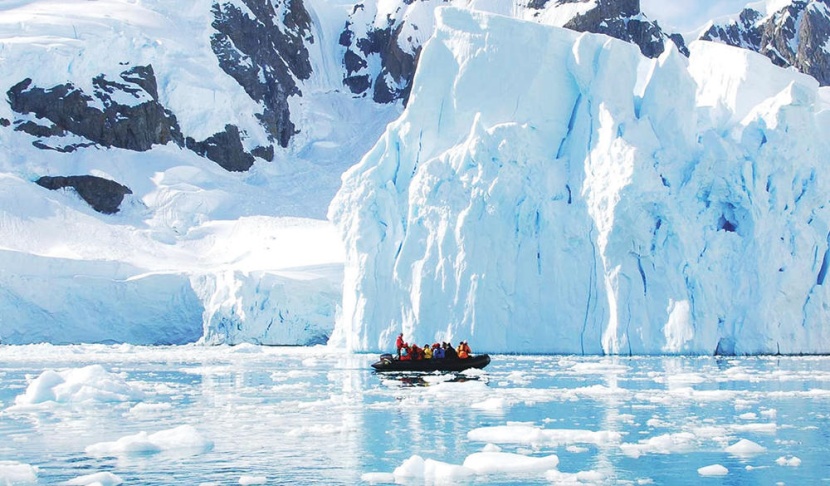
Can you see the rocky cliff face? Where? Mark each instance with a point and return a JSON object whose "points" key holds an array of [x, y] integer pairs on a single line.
{"points": [[623, 20], [263, 49], [795, 36], [123, 113]]}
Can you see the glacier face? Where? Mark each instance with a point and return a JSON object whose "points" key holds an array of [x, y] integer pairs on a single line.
{"points": [[596, 202]]}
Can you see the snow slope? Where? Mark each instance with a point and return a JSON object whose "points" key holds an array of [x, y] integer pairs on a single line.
{"points": [[195, 252], [605, 203]]}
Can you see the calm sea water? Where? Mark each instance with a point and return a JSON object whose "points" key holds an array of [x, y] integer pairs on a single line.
{"points": [[314, 416]]}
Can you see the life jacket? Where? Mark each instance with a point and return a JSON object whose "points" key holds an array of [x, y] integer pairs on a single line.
{"points": [[462, 353]]}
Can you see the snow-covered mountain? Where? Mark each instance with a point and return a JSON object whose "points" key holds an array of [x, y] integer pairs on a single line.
{"points": [[605, 203], [792, 33]]}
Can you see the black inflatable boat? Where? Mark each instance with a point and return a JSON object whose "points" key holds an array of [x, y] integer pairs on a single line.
{"points": [[387, 362]]}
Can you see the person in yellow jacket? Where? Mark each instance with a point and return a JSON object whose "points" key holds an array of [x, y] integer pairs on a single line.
{"points": [[427, 351]]}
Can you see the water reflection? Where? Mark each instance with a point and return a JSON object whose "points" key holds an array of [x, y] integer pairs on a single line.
{"points": [[410, 379], [316, 416]]}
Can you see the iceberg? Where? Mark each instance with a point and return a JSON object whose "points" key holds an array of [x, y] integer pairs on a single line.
{"points": [[553, 192]]}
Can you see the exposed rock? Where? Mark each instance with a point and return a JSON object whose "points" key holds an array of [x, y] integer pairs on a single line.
{"points": [[37, 130], [622, 19], [394, 79], [794, 36], [224, 148], [137, 126], [264, 153], [4, 122], [264, 54], [103, 195], [64, 149]]}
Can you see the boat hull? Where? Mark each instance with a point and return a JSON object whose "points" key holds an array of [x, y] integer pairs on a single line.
{"points": [[430, 365]]}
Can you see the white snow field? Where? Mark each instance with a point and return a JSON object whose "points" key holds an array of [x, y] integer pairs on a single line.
{"points": [[596, 202], [196, 252]]}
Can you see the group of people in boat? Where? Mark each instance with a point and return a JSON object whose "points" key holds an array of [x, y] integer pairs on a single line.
{"points": [[408, 351]]}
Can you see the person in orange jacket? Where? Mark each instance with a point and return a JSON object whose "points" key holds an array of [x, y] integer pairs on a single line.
{"points": [[463, 350]]}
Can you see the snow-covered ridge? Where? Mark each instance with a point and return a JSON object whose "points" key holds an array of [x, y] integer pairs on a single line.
{"points": [[618, 205]]}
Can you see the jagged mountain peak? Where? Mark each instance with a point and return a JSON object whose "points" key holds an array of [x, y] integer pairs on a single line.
{"points": [[792, 33]]}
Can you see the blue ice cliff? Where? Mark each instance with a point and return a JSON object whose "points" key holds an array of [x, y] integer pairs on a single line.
{"points": [[549, 191]]}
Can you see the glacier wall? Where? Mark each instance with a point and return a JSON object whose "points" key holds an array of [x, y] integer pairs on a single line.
{"points": [[548, 191]]}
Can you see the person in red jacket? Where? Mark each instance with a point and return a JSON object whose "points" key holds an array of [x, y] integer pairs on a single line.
{"points": [[400, 344]]}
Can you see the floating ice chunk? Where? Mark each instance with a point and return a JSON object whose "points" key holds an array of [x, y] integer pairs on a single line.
{"points": [[744, 448], [713, 470], [91, 383], [417, 467], [656, 422], [576, 449], [491, 448], [473, 372], [493, 404], [438, 378], [246, 480], [661, 444], [791, 461], [748, 416], [765, 428], [12, 472], [683, 378], [504, 462], [582, 477], [184, 437], [98, 479], [518, 378], [529, 434], [770, 413]]}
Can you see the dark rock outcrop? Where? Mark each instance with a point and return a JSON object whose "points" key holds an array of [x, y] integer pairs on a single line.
{"points": [[622, 19], [394, 80], [224, 148], [103, 195], [794, 36], [137, 126], [264, 54]]}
